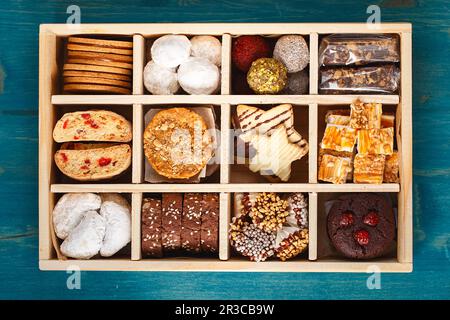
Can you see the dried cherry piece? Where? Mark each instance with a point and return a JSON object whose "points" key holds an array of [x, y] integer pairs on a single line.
{"points": [[362, 237], [104, 161], [346, 219], [371, 219]]}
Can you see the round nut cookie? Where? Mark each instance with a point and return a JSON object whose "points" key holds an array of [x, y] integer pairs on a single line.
{"points": [[361, 226], [177, 143], [77, 87]]}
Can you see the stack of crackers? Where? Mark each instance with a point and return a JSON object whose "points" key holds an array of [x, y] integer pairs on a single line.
{"points": [[98, 66]]}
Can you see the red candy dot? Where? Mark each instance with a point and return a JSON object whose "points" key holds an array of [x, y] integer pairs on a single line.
{"points": [[371, 219], [362, 237], [346, 219], [104, 161]]}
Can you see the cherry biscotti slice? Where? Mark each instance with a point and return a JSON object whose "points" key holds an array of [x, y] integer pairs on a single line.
{"points": [[93, 161], [93, 125]]}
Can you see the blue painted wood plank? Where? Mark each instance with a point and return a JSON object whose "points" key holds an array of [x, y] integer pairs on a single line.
{"points": [[19, 274]]}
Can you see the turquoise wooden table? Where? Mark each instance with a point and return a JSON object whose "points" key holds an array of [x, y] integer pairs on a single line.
{"points": [[19, 274]]}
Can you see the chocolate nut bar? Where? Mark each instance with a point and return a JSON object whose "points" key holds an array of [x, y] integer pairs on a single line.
{"points": [[375, 79], [354, 49]]}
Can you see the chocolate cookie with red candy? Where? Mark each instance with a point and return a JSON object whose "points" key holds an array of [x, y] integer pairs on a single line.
{"points": [[361, 226]]}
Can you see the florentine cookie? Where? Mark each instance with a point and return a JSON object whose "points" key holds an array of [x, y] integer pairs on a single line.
{"points": [[151, 228], [361, 226], [172, 206], [177, 143]]}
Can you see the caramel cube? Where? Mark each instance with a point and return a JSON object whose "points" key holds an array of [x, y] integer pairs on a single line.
{"points": [[387, 120], [391, 168], [365, 115], [339, 138], [338, 117], [369, 168], [334, 169], [376, 141]]}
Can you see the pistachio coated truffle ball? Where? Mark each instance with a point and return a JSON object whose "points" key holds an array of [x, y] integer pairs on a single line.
{"points": [[267, 76]]}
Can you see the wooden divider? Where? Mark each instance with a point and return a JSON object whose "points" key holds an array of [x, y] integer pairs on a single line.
{"points": [[224, 222], [138, 63], [313, 63], [312, 226], [312, 153], [136, 205], [226, 65], [138, 147]]}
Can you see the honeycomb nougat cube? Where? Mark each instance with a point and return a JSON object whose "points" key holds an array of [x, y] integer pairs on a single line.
{"points": [[334, 169], [368, 168], [339, 138], [391, 168], [376, 141], [365, 115]]}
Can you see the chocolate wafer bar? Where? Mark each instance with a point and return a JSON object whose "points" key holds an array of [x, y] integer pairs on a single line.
{"points": [[209, 236], [151, 228], [172, 206], [191, 222]]}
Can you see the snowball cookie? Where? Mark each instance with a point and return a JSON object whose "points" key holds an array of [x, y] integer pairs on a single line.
{"points": [[207, 47], [198, 76], [117, 198], [118, 227], [293, 52], [160, 80], [86, 239], [70, 209], [171, 50]]}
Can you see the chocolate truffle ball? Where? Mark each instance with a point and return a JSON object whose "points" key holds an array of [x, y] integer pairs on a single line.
{"points": [[171, 50], [293, 52], [198, 76], [247, 49], [267, 76], [207, 47], [160, 80], [297, 83]]}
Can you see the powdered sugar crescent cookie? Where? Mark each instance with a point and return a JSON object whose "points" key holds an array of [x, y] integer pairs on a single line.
{"points": [[118, 227], [117, 198], [70, 210], [86, 239], [92, 125]]}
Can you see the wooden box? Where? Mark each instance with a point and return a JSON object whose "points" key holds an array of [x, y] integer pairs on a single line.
{"points": [[232, 179]]}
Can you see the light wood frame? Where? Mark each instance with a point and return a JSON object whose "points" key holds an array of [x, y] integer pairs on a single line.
{"points": [[50, 47]]}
